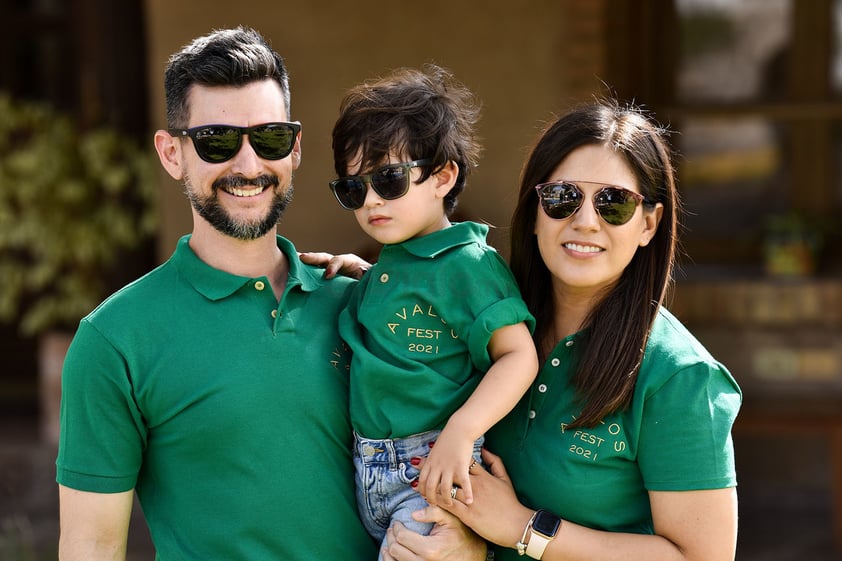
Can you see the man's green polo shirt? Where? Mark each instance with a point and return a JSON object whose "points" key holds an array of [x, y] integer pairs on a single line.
{"points": [[419, 324], [225, 409]]}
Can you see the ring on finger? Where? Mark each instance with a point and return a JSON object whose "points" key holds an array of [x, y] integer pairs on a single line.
{"points": [[473, 463], [453, 492]]}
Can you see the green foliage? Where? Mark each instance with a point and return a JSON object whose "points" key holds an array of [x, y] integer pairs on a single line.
{"points": [[70, 202]]}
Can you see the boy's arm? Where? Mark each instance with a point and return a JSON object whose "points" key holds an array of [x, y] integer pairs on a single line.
{"points": [[515, 365]]}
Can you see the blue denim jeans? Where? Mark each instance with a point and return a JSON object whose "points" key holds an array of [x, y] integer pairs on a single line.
{"points": [[383, 477]]}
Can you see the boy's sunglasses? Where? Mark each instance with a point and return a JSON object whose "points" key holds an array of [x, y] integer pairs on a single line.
{"points": [[219, 143], [389, 182], [615, 205]]}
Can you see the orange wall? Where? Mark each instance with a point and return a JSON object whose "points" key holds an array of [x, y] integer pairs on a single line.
{"points": [[524, 61]]}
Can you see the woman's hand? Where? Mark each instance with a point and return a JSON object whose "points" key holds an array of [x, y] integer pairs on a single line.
{"points": [[495, 513], [346, 264], [449, 540]]}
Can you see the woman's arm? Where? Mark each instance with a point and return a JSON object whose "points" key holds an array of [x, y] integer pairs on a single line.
{"points": [[689, 525]]}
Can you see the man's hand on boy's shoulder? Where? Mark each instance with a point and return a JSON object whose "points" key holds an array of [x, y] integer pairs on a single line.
{"points": [[346, 264]]}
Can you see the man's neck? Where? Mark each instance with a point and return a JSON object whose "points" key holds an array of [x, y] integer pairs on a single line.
{"points": [[247, 258]]}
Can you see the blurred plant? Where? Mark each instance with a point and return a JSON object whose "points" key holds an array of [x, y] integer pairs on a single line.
{"points": [[70, 202]]}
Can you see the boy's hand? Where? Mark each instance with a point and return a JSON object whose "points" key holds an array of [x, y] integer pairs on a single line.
{"points": [[447, 468]]}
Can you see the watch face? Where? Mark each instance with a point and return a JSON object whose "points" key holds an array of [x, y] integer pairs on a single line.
{"points": [[546, 523]]}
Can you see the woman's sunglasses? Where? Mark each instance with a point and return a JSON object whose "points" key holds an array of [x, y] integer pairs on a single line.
{"points": [[389, 182], [615, 205], [219, 143]]}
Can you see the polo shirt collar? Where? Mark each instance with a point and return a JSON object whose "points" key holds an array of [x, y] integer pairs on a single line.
{"points": [[431, 245], [216, 284]]}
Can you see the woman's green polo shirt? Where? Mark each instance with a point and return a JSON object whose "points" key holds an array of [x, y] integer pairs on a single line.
{"points": [[675, 436]]}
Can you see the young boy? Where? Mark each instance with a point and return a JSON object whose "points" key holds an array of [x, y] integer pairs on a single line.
{"points": [[441, 340]]}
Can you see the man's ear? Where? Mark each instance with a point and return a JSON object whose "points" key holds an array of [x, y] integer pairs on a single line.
{"points": [[446, 178], [169, 152], [296, 152]]}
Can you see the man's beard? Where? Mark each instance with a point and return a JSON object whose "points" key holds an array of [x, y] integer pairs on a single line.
{"points": [[209, 208]]}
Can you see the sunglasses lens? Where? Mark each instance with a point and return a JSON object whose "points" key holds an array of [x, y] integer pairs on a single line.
{"points": [[560, 200], [217, 144], [350, 192], [390, 182], [272, 142], [615, 206]]}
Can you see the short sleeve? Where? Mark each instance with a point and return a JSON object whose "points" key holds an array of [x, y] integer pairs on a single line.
{"points": [[102, 440], [685, 435], [496, 302]]}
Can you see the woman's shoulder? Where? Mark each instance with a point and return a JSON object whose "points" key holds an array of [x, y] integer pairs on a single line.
{"points": [[673, 350]]}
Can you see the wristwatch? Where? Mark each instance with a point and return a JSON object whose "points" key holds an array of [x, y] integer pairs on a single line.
{"points": [[543, 529]]}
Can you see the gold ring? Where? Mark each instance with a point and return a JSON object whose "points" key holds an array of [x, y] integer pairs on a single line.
{"points": [[473, 463]]}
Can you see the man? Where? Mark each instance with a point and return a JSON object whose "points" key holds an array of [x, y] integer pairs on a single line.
{"points": [[216, 386]]}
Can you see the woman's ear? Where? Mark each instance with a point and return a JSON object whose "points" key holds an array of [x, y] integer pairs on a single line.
{"points": [[446, 178], [169, 152], [651, 218]]}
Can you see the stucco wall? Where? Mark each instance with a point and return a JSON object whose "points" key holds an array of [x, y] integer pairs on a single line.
{"points": [[524, 60]]}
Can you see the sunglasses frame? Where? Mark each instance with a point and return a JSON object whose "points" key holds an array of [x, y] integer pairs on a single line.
{"points": [[638, 198], [193, 132], [366, 180]]}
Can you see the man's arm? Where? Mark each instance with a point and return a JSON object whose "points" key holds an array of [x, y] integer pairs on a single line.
{"points": [[94, 526]]}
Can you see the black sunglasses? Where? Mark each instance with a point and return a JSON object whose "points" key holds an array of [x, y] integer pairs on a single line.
{"points": [[389, 182], [219, 143], [615, 205]]}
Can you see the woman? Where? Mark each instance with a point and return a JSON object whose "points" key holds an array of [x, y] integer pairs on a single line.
{"points": [[622, 449], [623, 444]]}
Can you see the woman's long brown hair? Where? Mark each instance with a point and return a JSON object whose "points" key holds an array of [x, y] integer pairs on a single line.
{"points": [[618, 327]]}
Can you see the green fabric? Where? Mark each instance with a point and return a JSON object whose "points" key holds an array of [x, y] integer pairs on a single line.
{"points": [[231, 424], [675, 436], [419, 324]]}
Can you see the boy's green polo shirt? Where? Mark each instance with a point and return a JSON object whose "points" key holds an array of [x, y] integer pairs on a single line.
{"points": [[225, 409], [419, 324], [674, 436]]}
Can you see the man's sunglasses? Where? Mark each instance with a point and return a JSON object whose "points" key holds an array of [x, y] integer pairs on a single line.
{"points": [[219, 143], [389, 182], [615, 205]]}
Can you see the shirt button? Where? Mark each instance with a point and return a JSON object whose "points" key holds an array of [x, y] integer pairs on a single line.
{"points": [[274, 313], [542, 388], [532, 414], [555, 362], [259, 285], [569, 343], [384, 277]]}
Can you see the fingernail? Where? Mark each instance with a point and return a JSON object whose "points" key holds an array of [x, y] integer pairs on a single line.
{"points": [[414, 484], [415, 461], [431, 444]]}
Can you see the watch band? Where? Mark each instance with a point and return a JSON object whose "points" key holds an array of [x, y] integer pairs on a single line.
{"points": [[521, 545], [542, 530]]}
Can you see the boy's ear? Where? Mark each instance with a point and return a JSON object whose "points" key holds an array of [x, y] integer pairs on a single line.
{"points": [[446, 178]]}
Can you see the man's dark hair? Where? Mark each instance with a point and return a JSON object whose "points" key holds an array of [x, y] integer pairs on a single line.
{"points": [[224, 57]]}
